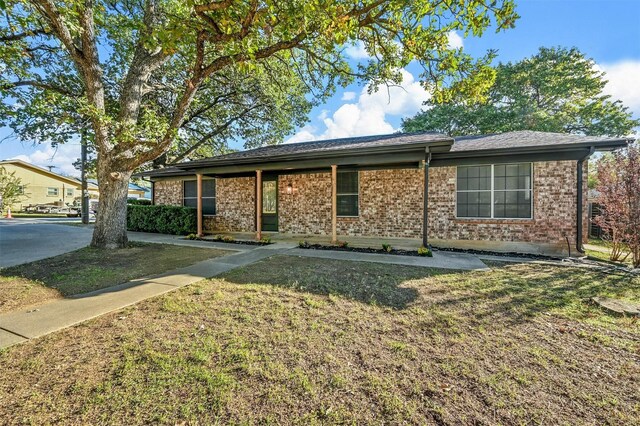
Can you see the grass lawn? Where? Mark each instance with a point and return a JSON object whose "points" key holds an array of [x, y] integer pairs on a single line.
{"points": [[313, 341], [88, 269]]}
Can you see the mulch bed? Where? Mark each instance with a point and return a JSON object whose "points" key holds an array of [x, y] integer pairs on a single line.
{"points": [[399, 252]]}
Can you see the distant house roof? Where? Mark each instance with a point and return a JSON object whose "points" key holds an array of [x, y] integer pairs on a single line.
{"points": [[68, 179], [398, 147]]}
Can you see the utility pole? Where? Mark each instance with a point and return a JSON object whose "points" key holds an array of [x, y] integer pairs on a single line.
{"points": [[83, 172]]}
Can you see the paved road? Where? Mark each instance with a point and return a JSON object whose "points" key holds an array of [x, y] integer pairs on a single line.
{"points": [[26, 240]]}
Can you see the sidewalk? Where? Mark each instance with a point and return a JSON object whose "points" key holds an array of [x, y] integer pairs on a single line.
{"points": [[19, 326], [22, 325]]}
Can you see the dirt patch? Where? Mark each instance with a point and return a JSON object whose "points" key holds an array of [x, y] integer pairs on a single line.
{"points": [[313, 341]]}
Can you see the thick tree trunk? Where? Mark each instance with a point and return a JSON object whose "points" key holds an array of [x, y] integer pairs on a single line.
{"points": [[111, 222]]}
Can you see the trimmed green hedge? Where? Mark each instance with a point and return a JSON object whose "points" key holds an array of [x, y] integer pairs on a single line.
{"points": [[174, 220]]}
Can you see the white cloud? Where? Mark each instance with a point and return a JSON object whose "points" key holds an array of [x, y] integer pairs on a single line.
{"points": [[61, 158], [348, 96], [455, 40], [624, 83], [357, 51], [368, 116]]}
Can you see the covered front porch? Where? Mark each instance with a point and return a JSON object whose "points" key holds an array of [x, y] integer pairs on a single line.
{"points": [[359, 197]]}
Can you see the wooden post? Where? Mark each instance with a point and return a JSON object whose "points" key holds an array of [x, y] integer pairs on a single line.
{"points": [[199, 203], [258, 204], [334, 203]]}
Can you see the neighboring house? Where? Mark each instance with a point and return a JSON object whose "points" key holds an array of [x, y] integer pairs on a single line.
{"points": [[135, 191], [41, 186], [522, 191]]}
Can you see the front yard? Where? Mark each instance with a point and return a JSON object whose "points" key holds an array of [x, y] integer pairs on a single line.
{"points": [[88, 269], [311, 341]]}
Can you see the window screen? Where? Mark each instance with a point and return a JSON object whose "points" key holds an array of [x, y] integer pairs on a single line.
{"points": [[190, 197], [347, 194]]}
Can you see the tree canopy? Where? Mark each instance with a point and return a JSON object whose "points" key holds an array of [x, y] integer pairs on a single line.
{"points": [[142, 74], [555, 90]]}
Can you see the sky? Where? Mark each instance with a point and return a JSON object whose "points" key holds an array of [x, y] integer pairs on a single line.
{"points": [[606, 30]]}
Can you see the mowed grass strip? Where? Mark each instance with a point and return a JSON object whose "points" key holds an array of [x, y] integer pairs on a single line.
{"points": [[89, 269], [294, 340]]}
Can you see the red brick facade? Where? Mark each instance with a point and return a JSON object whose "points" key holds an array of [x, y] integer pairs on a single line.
{"points": [[391, 205]]}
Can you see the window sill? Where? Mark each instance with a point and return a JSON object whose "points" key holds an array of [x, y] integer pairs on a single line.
{"points": [[494, 221], [348, 217]]}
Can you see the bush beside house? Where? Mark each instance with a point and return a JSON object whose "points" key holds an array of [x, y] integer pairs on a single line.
{"points": [[175, 220]]}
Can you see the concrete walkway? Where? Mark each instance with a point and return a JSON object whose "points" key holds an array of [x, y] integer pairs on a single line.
{"points": [[22, 325]]}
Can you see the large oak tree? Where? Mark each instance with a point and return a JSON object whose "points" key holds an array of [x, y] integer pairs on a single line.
{"points": [[555, 90], [133, 70]]}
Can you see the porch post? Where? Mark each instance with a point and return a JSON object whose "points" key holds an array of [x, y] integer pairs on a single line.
{"points": [[334, 203], [199, 203], [425, 198], [258, 204]]}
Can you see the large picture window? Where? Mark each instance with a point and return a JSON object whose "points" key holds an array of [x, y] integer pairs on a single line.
{"points": [[347, 193], [501, 191], [190, 195]]}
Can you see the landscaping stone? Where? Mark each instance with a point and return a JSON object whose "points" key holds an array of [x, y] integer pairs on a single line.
{"points": [[621, 307]]}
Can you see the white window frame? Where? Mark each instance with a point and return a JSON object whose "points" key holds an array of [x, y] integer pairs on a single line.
{"points": [[70, 192], [56, 194], [492, 190]]}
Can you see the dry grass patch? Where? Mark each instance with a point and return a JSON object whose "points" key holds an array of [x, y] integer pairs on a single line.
{"points": [[89, 269], [312, 341]]}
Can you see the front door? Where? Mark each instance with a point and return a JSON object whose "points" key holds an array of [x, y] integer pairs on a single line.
{"points": [[270, 203]]}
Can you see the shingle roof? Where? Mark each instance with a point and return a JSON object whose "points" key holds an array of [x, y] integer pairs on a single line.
{"points": [[332, 145], [523, 138]]}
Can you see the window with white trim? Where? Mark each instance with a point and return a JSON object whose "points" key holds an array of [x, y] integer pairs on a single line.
{"points": [[52, 192], [499, 191], [190, 195]]}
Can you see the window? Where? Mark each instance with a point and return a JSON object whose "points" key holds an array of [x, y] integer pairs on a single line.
{"points": [[52, 192], [494, 191], [190, 197], [347, 194], [70, 192]]}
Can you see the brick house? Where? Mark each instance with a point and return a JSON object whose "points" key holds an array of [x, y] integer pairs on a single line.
{"points": [[521, 191]]}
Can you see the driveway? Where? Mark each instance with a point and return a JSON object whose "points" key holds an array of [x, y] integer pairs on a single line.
{"points": [[26, 240]]}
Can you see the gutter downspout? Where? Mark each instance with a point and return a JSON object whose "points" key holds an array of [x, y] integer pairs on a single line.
{"points": [[579, 220]]}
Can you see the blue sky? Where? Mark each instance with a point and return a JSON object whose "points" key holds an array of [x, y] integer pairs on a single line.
{"points": [[606, 30]]}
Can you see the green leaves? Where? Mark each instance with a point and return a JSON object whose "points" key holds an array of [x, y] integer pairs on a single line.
{"points": [[556, 90]]}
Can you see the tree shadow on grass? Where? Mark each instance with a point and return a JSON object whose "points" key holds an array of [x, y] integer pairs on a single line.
{"points": [[367, 282]]}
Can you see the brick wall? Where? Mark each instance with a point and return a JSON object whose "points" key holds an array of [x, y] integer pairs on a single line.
{"points": [[554, 210], [390, 205], [168, 192], [307, 210], [235, 206]]}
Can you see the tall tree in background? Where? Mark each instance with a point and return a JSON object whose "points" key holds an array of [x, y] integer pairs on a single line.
{"points": [[11, 189], [556, 90], [134, 68]]}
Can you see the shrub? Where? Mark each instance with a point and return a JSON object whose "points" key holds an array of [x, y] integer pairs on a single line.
{"points": [[138, 202], [303, 244], [192, 237], [174, 220], [228, 239], [265, 240], [342, 244], [387, 247], [425, 251]]}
